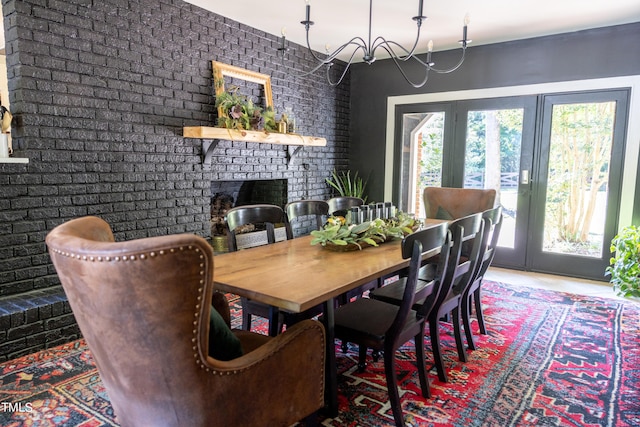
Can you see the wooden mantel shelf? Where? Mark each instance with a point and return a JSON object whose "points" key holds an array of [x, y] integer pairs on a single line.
{"points": [[264, 137], [206, 132]]}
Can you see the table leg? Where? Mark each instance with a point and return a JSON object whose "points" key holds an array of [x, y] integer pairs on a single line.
{"points": [[331, 371], [274, 315]]}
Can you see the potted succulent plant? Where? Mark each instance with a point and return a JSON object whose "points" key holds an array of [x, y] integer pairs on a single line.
{"points": [[347, 185], [625, 263]]}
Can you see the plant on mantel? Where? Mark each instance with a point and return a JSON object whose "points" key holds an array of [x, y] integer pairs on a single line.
{"points": [[240, 113]]}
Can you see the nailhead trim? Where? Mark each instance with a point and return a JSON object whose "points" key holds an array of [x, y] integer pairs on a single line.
{"points": [[143, 257]]}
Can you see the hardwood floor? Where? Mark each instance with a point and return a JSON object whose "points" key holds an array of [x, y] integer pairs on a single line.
{"points": [[555, 283]]}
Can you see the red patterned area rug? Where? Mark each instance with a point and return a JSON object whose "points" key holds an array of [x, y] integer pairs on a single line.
{"points": [[549, 359]]}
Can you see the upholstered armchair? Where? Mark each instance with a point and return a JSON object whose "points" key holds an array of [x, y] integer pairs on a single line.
{"points": [[144, 307], [453, 203]]}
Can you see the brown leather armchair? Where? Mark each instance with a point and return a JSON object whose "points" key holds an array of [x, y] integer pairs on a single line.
{"points": [[143, 308], [453, 203]]}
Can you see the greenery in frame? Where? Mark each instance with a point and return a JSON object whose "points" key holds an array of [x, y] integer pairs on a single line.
{"points": [[347, 185], [625, 263], [240, 113]]}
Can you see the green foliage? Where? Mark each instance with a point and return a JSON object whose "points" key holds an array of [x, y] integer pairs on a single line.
{"points": [[580, 150], [239, 112], [510, 123], [346, 185], [625, 264], [340, 232]]}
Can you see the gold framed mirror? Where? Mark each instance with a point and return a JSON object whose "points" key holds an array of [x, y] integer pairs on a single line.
{"points": [[220, 71]]}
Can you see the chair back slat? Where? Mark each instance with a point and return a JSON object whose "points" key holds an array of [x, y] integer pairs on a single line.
{"points": [[459, 269], [422, 244], [492, 226], [340, 205], [252, 214], [319, 209]]}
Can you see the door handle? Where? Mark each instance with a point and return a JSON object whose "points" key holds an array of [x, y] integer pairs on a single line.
{"points": [[524, 177]]}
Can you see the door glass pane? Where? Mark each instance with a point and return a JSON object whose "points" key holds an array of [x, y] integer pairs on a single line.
{"points": [[577, 183], [422, 143], [492, 160]]}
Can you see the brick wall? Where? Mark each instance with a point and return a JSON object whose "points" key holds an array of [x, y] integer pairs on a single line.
{"points": [[100, 92]]}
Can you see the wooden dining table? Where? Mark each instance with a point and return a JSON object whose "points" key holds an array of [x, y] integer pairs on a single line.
{"points": [[294, 276]]}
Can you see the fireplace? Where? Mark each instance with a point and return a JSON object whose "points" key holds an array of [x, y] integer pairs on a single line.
{"points": [[228, 194]]}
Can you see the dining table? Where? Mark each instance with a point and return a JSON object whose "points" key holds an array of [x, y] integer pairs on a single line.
{"points": [[294, 276]]}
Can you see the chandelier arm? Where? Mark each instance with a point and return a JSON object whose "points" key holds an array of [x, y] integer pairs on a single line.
{"points": [[379, 41], [355, 41], [358, 42], [329, 65], [407, 79], [311, 50], [452, 69], [344, 73], [382, 42]]}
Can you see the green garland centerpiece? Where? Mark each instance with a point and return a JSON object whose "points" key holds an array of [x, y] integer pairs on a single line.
{"points": [[340, 234]]}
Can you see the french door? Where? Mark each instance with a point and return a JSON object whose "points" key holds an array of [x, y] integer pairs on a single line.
{"points": [[577, 187], [517, 146]]}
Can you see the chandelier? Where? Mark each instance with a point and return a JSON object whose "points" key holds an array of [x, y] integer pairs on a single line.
{"points": [[397, 52]]}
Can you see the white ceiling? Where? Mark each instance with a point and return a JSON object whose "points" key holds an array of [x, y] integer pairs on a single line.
{"points": [[491, 21]]}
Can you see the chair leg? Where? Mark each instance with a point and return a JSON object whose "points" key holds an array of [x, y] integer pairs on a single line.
{"points": [[392, 386], [462, 353], [246, 316], [465, 303], [477, 299], [420, 362], [434, 332], [362, 358], [311, 420]]}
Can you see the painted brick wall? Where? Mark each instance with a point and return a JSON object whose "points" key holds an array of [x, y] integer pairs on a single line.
{"points": [[100, 92]]}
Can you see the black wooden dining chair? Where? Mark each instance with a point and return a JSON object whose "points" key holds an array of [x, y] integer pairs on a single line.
{"points": [[473, 294], [268, 216], [316, 210], [340, 205], [379, 325], [459, 274]]}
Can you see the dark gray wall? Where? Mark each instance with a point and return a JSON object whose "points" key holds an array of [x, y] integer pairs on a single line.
{"points": [[598, 53], [100, 92]]}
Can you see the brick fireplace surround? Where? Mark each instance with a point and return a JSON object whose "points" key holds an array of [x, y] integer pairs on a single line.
{"points": [[100, 92]]}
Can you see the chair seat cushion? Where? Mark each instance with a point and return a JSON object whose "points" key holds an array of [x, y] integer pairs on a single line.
{"points": [[354, 322], [394, 292], [223, 344]]}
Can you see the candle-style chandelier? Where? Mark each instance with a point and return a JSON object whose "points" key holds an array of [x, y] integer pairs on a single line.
{"points": [[397, 52]]}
